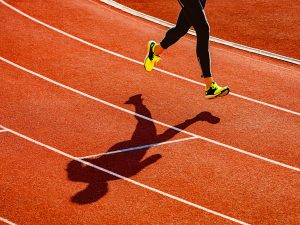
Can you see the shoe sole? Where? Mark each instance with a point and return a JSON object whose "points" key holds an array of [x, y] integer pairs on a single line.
{"points": [[221, 94]]}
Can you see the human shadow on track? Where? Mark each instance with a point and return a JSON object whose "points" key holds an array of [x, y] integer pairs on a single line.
{"points": [[127, 163]]}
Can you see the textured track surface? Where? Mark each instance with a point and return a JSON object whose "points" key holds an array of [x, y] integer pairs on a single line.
{"points": [[267, 25], [40, 186]]}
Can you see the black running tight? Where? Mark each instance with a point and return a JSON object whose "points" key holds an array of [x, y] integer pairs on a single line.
{"points": [[192, 14]]}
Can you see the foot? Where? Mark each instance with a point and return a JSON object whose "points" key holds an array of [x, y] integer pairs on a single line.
{"points": [[151, 59], [215, 91]]}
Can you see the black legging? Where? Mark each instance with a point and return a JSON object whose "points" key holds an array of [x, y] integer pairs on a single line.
{"points": [[192, 14]]}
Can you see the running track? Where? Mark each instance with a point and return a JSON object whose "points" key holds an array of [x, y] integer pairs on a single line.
{"points": [[263, 24], [67, 70]]}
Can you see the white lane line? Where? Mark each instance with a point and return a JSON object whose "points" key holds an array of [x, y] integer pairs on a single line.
{"points": [[140, 63], [192, 32], [2, 131], [6, 221], [125, 178], [213, 39], [138, 148], [150, 119], [234, 94]]}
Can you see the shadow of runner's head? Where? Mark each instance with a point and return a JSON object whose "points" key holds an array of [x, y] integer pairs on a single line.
{"points": [[97, 182], [135, 100]]}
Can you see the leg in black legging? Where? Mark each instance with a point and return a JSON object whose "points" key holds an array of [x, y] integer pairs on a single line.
{"points": [[175, 33], [203, 3], [192, 14], [196, 16]]}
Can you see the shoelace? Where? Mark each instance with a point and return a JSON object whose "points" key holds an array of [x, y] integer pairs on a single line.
{"points": [[214, 86], [151, 54]]}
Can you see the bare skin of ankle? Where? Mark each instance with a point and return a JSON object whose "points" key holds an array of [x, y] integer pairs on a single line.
{"points": [[159, 50], [208, 81]]}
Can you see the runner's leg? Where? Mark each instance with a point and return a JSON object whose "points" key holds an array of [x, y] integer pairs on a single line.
{"points": [[175, 33], [196, 16]]}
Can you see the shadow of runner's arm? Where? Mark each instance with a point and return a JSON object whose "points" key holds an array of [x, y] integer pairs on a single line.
{"points": [[203, 116]]}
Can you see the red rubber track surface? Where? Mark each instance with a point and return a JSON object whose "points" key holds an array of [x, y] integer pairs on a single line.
{"points": [[39, 186], [264, 24]]}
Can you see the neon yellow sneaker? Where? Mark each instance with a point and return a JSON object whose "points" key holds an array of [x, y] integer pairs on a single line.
{"points": [[216, 91], [151, 59]]}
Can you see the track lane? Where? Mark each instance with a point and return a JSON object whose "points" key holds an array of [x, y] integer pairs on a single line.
{"points": [[227, 183], [152, 102], [64, 119], [246, 170], [259, 207], [50, 194], [267, 25], [76, 62], [203, 116], [230, 69]]}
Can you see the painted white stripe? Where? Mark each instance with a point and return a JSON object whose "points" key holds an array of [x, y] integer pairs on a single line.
{"points": [[150, 119], [2, 131], [92, 97], [138, 148], [6, 221], [231, 93], [125, 178], [192, 32], [141, 63]]}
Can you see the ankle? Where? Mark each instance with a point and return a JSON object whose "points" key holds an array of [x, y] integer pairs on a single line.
{"points": [[158, 50], [208, 81]]}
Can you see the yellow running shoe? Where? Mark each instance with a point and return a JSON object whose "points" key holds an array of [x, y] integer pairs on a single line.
{"points": [[216, 91], [151, 59]]}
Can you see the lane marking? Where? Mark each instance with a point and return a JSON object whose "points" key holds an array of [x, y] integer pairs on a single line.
{"points": [[2, 131], [192, 32], [6, 221], [140, 63], [124, 178], [138, 147], [150, 119], [137, 19]]}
